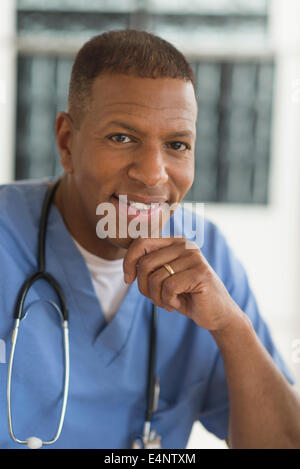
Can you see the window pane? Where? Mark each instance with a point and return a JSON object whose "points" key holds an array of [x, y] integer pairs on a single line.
{"points": [[234, 94]]}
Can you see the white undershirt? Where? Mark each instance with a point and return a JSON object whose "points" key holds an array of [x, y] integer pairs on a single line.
{"points": [[108, 281]]}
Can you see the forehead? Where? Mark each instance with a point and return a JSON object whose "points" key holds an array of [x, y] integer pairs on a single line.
{"points": [[162, 99]]}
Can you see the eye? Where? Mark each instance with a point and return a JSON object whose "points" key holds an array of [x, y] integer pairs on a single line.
{"points": [[179, 146], [120, 138]]}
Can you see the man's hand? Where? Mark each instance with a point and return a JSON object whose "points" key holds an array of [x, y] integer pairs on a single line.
{"points": [[194, 290], [255, 383]]}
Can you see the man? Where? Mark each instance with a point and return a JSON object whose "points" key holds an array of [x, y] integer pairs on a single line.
{"points": [[130, 131]]}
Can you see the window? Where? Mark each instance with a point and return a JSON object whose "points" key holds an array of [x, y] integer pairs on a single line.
{"points": [[234, 86]]}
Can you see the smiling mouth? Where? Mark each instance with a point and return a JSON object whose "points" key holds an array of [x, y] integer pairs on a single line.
{"points": [[133, 208], [139, 205]]}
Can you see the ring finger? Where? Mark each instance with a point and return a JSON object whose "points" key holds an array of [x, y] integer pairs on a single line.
{"points": [[157, 278]]}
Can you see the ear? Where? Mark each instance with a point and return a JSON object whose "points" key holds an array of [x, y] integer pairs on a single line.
{"points": [[64, 130]]}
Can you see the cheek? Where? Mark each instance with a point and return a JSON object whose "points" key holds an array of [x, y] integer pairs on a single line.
{"points": [[96, 166], [183, 176]]}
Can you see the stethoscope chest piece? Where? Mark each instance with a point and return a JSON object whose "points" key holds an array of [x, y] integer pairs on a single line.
{"points": [[34, 443], [151, 442]]}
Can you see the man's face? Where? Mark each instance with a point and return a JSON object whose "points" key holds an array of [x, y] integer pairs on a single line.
{"points": [[136, 139]]}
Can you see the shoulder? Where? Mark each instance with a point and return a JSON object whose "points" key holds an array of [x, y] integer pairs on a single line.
{"points": [[22, 191], [20, 202], [20, 208]]}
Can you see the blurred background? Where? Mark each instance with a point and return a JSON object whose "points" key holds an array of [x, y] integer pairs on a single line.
{"points": [[246, 58]]}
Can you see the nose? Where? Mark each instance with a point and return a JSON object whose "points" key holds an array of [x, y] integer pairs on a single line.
{"points": [[149, 168]]}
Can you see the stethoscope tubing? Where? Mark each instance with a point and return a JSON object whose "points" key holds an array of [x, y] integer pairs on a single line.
{"points": [[41, 274], [153, 381], [65, 387]]}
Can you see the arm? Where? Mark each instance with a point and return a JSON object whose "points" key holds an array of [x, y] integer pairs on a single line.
{"points": [[264, 407]]}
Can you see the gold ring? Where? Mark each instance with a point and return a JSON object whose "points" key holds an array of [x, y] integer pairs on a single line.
{"points": [[169, 269]]}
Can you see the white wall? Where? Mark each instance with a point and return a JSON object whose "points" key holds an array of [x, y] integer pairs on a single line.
{"points": [[7, 89]]}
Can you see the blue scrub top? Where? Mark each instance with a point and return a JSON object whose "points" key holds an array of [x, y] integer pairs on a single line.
{"points": [[108, 362]]}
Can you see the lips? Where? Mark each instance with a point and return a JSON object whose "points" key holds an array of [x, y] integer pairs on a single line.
{"points": [[132, 212], [142, 199]]}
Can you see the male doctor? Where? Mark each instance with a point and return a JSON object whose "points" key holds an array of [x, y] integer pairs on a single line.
{"points": [[129, 130]]}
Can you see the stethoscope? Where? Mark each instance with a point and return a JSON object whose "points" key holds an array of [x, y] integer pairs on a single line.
{"points": [[149, 438]]}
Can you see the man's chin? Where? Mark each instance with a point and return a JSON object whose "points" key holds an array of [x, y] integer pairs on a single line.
{"points": [[121, 242]]}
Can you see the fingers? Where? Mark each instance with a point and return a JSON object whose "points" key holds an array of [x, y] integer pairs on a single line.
{"points": [[161, 287], [150, 263], [145, 261], [139, 248], [175, 290]]}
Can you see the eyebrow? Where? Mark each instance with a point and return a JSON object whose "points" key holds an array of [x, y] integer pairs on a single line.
{"points": [[124, 125]]}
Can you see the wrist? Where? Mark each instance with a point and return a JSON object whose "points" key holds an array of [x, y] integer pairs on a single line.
{"points": [[234, 329]]}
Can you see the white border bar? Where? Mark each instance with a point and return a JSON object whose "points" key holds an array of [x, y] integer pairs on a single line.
{"points": [[7, 90]]}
